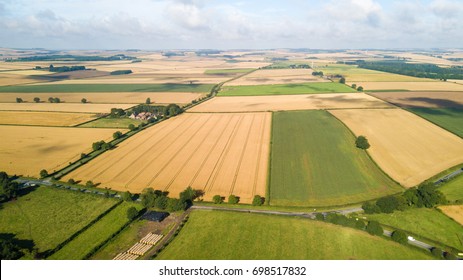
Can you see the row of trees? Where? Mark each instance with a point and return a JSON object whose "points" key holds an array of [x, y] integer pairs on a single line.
{"points": [[8, 188], [233, 199], [372, 227], [161, 200], [317, 73], [426, 195], [50, 99]]}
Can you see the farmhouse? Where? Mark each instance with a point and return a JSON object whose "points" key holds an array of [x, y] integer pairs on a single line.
{"points": [[143, 116]]}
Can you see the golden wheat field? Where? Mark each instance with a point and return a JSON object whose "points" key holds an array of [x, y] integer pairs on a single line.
{"points": [[407, 147], [289, 102], [453, 211], [218, 153], [413, 86], [25, 150], [61, 107], [276, 76], [428, 99], [44, 118], [121, 98]]}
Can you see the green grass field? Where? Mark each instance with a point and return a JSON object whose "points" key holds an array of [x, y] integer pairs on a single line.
{"points": [[453, 189], [99, 232], [50, 216], [54, 88], [448, 118], [314, 162], [211, 235], [428, 223], [111, 123], [285, 89], [354, 74], [227, 71]]}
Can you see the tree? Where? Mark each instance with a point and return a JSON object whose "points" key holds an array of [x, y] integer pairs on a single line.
{"points": [[449, 256], [43, 173], [374, 228], [50, 99], [319, 217], [9, 250], [83, 155], [387, 204], [71, 181], [132, 213], [359, 224], [257, 200], [370, 208], [174, 205], [148, 100], [173, 110], [127, 196], [430, 195], [233, 199], [342, 80], [436, 252], [19, 100], [8, 188], [360, 88], [83, 100], [36, 99], [354, 86], [89, 184], [148, 196], [161, 202], [132, 127], [362, 142], [399, 236], [217, 199], [57, 100]]}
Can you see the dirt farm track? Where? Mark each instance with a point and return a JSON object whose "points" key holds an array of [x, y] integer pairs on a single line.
{"points": [[217, 153]]}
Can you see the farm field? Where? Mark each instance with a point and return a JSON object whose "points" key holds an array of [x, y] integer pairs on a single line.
{"points": [[43, 118], [289, 103], [314, 162], [448, 118], [82, 88], [25, 150], [62, 107], [126, 99], [413, 86], [96, 234], [407, 147], [276, 76], [428, 223], [354, 74], [455, 212], [227, 72], [426, 99], [285, 89], [46, 217], [285, 238], [218, 153], [453, 189], [111, 123]]}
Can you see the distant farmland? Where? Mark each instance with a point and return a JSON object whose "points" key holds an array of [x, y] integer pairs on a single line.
{"points": [[215, 235], [44, 118], [218, 153], [285, 89], [315, 163]]}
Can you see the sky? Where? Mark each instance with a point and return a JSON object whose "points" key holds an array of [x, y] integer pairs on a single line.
{"points": [[218, 24]]}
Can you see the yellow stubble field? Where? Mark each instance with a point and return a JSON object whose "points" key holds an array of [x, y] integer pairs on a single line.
{"points": [[44, 118], [453, 211], [221, 154], [276, 76], [60, 107], [25, 150], [289, 102], [407, 147]]}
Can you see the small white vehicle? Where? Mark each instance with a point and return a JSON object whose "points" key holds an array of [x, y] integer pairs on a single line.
{"points": [[411, 238]]}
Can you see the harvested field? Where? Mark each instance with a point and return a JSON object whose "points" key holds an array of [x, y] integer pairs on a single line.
{"points": [[315, 162], [62, 107], [108, 97], [285, 238], [8, 79], [407, 147], [285, 89], [454, 211], [413, 86], [276, 76], [25, 150], [289, 102], [44, 118], [217, 153], [426, 99]]}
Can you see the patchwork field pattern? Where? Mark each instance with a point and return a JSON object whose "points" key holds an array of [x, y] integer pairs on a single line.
{"points": [[25, 150], [276, 76], [426, 99], [44, 118], [407, 147], [285, 89], [289, 102], [218, 153], [414, 86], [315, 162]]}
